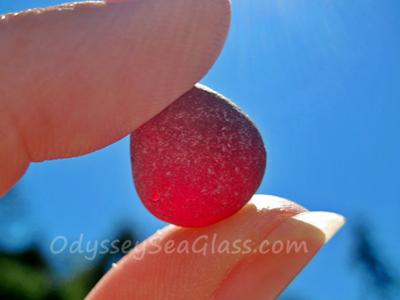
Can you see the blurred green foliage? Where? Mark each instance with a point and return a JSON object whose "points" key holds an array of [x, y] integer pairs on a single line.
{"points": [[28, 276], [377, 273]]}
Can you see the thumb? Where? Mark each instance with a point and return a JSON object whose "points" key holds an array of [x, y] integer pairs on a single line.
{"points": [[253, 255], [80, 76]]}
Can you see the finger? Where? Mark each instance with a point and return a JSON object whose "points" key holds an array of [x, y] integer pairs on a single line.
{"points": [[78, 77], [292, 245], [161, 268]]}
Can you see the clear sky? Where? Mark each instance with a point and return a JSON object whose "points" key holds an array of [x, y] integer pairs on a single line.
{"points": [[321, 79]]}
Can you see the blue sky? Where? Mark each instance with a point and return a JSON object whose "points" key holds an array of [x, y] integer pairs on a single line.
{"points": [[321, 79]]}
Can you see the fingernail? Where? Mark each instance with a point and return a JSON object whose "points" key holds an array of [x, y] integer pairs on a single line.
{"points": [[327, 222], [280, 257]]}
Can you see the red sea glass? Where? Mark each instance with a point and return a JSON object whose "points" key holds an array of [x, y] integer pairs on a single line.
{"points": [[199, 161]]}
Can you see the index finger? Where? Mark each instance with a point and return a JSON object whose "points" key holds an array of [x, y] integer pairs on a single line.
{"points": [[254, 254], [77, 77]]}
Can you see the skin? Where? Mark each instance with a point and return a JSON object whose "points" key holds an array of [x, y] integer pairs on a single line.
{"points": [[67, 74]]}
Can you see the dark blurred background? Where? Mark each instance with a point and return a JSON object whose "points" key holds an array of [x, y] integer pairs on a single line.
{"points": [[321, 80]]}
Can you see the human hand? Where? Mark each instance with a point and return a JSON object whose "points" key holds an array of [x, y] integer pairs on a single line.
{"points": [[78, 78]]}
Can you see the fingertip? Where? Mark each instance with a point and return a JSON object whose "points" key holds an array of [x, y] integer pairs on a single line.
{"points": [[284, 253], [328, 223], [97, 72]]}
